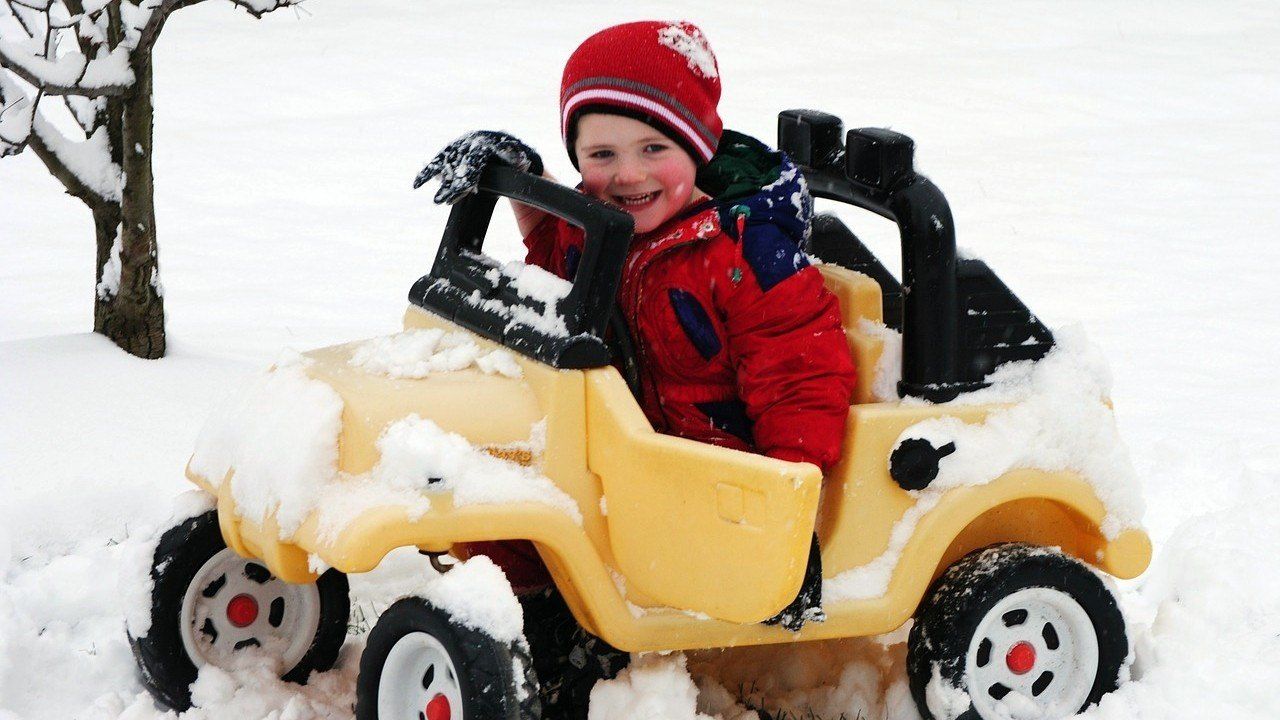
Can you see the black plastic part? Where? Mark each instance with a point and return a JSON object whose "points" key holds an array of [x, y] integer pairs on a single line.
{"points": [[835, 243], [995, 327], [465, 286], [879, 158], [878, 175], [914, 462], [567, 659], [810, 137]]}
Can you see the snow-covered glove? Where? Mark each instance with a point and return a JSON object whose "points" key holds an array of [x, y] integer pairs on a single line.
{"points": [[459, 165]]}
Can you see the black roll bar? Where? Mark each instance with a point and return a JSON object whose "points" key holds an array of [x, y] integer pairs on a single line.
{"points": [[873, 169], [460, 271]]}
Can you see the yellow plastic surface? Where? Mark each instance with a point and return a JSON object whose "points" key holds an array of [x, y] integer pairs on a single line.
{"points": [[860, 299], [859, 295], [685, 526], [693, 525]]}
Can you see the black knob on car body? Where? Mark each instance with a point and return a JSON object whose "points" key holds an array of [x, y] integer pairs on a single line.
{"points": [[914, 462]]}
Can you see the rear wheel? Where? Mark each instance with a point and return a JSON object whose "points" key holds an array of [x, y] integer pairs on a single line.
{"points": [[208, 604], [420, 664], [1023, 631]]}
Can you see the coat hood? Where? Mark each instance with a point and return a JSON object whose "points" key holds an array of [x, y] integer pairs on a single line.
{"points": [[747, 177]]}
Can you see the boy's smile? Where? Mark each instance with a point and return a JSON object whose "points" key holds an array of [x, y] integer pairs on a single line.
{"points": [[636, 167]]}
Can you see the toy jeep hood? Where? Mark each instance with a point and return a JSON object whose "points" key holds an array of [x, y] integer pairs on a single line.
{"points": [[372, 402]]}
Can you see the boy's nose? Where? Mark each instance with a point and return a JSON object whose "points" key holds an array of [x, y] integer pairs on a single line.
{"points": [[630, 172]]}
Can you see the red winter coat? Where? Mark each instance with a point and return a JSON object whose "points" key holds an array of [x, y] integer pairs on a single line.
{"points": [[739, 342]]}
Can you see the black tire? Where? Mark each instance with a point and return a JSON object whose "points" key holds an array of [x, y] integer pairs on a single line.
{"points": [[184, 551], [568, 660], [1008, 582], [489, 679]]}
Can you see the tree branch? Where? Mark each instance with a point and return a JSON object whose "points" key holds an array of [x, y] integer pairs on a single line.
{"points": [[39, 141], [37, 8], [87, 47], [258, 8], [72, 163], [16, 114], [17, 16], [105, 75], [155, 23]]}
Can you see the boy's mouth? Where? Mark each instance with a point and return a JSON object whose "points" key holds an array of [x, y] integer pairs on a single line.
{"points": [[633, 201]]}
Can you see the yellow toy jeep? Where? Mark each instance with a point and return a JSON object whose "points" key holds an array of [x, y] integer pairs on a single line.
{"points": [[983, 506]]}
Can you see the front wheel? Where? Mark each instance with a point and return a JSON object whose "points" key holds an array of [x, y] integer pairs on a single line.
{"points": [[208, 604], [1022, 631], [420, 664]]}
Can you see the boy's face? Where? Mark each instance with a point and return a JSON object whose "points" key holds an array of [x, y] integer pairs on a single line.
{"points": [[634, 166]]}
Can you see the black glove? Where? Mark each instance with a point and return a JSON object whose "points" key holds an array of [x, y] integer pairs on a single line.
{"points": [[459, 165]]}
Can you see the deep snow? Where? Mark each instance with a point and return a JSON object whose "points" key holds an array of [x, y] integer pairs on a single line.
{"points": [[1117, 166]]}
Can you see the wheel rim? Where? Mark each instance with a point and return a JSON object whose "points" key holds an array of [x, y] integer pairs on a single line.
{"points": [[1035, 653], [234, 604], [419, 681]]}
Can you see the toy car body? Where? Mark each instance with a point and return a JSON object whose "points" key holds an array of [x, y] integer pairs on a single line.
{"points": [[629, 570]]}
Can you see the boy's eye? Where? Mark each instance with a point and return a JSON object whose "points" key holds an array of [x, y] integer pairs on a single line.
{"points": [[601, 154], [655, 147]]}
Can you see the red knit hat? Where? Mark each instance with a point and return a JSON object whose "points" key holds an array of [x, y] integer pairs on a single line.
{"points": [[662, 73]]}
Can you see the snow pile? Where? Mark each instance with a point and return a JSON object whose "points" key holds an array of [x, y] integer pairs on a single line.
{"points": [[948, 702], [889, 366], [419, 353], [477, 595], [417, 454], [62, 637], [280, 434], [1207, 617], [1057, 419], [533, 283], [251, 689], [134, 579], [653, 686], [343, 498]]}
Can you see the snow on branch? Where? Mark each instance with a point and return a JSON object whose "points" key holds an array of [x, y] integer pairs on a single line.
{"points": [[68, 74], [84, 167], [258, 8], [17, 112], [82, 51]]}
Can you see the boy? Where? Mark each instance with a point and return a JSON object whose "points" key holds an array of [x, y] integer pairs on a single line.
{"points": [[739, 343]]}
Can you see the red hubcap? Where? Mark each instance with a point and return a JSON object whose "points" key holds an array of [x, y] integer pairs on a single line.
{"points": [[242, 610], [438, 708], [1021, 658]]}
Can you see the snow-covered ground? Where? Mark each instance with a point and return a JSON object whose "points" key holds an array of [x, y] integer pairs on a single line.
{"points": [[1117, 164]]}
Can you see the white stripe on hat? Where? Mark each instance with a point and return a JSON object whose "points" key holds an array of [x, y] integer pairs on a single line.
{"points": [[641, 102]]}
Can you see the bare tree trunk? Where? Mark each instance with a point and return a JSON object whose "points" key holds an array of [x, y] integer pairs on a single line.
{"points": [[133, 316]]}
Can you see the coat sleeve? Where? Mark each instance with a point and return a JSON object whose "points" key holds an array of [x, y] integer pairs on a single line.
{"points": [[794, 371]]}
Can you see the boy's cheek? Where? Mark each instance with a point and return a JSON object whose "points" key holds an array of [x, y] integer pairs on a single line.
{"points": [[594, 188]]}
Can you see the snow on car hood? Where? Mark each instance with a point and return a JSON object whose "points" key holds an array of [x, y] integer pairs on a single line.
{"points": [[331, 430]]}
